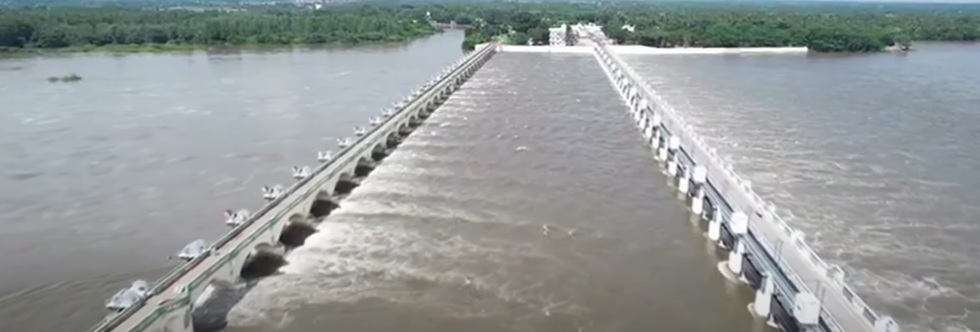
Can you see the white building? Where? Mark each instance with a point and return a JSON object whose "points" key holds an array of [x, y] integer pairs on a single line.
{"points": [[586, 30], [556, 36]]}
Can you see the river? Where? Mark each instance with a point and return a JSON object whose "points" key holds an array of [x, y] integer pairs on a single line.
{"points": [[108, 176], [875, 157], [448, 233]]}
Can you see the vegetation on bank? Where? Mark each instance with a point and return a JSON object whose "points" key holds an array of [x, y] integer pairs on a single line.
{"points": [[823, 27], [135, 29]]}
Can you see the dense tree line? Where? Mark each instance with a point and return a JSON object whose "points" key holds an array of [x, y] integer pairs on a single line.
{"points": [[823, 27], [826, 27], [62, 27]]}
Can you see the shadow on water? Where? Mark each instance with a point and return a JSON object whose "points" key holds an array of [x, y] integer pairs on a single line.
{"points": [[296, 233], [212, 315], [263, 263]]}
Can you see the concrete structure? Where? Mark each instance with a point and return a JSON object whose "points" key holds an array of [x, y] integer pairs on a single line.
{"points": [[795, 289], [545, 49], [647, 50], [557, 36], [171, 300], [586, 30]]}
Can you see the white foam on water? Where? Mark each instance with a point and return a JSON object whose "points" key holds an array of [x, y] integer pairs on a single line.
{"points": [[372, 247], [352, 258]]}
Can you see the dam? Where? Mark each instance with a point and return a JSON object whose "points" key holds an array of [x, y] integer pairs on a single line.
{"points": [[167, 305], [790, 288], [744, 224]]}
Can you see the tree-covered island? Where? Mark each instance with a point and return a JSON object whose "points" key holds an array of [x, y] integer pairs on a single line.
{"points": [[821, 26]]}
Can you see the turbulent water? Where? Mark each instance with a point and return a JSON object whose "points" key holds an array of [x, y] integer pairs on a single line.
{"points": [[873, 156], [447, 234]]}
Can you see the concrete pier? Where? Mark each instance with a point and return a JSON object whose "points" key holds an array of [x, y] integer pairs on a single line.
{"points": [[795, 289], [171, 300]]}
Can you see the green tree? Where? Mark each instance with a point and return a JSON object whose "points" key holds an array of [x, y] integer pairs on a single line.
{"points": [[822, 27], [61, 27]]}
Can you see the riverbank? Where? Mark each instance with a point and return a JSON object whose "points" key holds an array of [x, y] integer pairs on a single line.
{"points": [[180, 48], [113, 48], [134, 30]]}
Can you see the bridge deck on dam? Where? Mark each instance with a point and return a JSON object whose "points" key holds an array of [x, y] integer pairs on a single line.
{"points": [[449, 229], [169, 305], [775, 247]]}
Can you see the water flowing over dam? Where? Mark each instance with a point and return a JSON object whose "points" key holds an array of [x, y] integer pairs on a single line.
{"points": [[830, 140], [526, 202], [518, 189]]}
